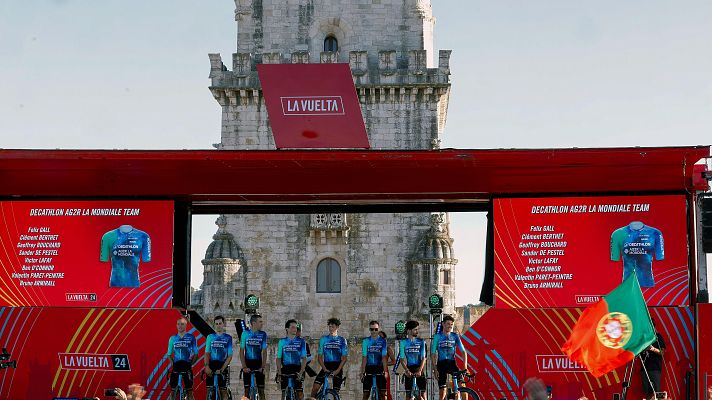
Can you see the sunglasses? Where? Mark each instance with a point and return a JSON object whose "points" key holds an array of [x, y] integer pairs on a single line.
{"points": [[373, 329]]}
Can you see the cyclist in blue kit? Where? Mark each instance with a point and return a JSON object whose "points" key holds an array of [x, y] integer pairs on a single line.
{"points": [[291, 358], [374, 351], [413, 357], [218, 354], [332, 356], [183, 351], [253, 353], [445, 344]]}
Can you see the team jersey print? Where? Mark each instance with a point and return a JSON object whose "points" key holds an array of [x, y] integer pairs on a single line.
{"points": [[413, 350], [291, 351], [638, 244], [219, 346], [446, 345], [253, 342], [333, 348], [182, 348], [374, 350], [125, 246]]}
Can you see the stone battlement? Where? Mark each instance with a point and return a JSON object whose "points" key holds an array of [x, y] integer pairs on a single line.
{"points": [[387, 68]]}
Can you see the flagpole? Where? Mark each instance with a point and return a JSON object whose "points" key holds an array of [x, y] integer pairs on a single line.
{"points": [[627, 377]]}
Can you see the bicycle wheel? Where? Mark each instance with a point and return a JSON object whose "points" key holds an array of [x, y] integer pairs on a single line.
{"points": [[471, 393], [331, 394]]}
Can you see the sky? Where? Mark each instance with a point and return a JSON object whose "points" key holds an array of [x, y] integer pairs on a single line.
{"points": [[134, 75]]}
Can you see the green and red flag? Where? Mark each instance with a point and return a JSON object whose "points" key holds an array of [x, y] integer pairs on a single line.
{"points": [[613, 331]]}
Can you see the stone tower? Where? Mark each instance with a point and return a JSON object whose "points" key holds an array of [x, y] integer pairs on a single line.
{"points": [[356, 267]]}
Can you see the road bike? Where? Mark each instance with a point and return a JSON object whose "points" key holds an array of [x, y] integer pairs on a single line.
{"points": [[327, 392], [375, 393], [455, 391]]}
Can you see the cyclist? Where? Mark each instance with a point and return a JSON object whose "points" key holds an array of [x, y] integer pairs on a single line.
{"points": [[332, 356], [374, 350], [445, 344], [183, 351], [218, 354], [413, 357], [253, 352], [291, 358]]}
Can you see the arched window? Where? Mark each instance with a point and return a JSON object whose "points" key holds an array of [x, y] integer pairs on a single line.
{"points": [[446, 277], [331, 44], [328, 276]]}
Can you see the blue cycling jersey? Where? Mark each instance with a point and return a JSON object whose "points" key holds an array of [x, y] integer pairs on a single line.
{"points": [[291, 351], [413, 350], [446, 344], [333, 348], [219, 346], [374, 350], [182, 348], [253, 342], [638, 243], [126, 246]]}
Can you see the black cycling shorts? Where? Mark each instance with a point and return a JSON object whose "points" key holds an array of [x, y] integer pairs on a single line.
{"points": [[336, 379], [185, 370], [420, 381], [368, 379], [296, 382], [444, 367], [254, 366], [215, 366]]}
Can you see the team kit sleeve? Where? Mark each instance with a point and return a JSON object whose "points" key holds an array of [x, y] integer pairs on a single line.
{"points": [[280, 346], [436, 341], [616, 244], [364, 347], [402, 349], [659, 246], [423, 350], [229, 345], [344, 347], [209, 342], [107, 241], [170, 345], [146, 250], [384, 348], [264, 341], [322, 341]]}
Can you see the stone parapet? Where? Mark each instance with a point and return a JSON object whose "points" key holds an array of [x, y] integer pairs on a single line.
{"points": [[384, 68]]}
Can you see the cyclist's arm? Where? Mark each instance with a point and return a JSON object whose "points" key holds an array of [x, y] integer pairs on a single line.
{"points": [[226, 363], [385, 365], [422, 366], [341, 365], [264, 355], [243, 343], [303, 366], [403, 360], [364, 353], [170, 349]]}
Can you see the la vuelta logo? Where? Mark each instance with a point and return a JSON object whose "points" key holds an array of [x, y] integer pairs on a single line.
{"points": [[312, 105], [94, 362]]}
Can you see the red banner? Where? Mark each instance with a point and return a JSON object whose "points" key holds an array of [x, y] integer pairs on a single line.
{"points": [[505, 347], [79, 352], [86, 253], [567, 252], [312, 106]]}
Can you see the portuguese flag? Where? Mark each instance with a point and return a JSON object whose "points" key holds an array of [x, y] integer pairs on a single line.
{"points": [[613, 331]]}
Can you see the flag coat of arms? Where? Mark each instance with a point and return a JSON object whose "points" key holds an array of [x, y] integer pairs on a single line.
{"points": [[611, 332]]}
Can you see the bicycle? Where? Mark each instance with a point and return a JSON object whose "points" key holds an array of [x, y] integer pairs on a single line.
{"points": [[290, 392], [414, 389], [178, 390], [326, 392], [215, 393], [454, 392], [375, 393]]}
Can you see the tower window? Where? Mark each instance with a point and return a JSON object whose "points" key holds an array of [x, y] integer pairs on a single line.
{"points": [[331, 44], [328, 276], [446, 277]]}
